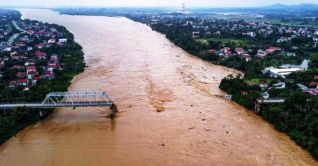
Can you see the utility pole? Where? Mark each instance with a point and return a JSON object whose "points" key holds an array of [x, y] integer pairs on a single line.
{"points": [[183, 8]]}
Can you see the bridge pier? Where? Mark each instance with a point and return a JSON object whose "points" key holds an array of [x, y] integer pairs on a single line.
{"points": [[113, 109], [41, 113], [257, 109], [226, 97], [4, 112]]}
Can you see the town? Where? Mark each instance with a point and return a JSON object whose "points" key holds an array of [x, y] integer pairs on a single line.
{"points": [[35, 59], [32, 51], [24, 52]]}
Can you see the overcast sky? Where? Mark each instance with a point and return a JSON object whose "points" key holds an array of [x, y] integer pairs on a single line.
{"points": [[151, 3]]}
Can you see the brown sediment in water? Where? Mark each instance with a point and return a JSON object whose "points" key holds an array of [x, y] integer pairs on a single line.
{"points": [[139, 70]]}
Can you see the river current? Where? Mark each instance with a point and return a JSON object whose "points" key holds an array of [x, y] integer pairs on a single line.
{"points": [[167, 113]]}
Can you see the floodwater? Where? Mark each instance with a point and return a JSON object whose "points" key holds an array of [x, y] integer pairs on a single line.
{"points": [[167, 113]]}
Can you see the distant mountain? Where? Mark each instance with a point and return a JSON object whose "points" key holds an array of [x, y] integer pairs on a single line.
{"points": [[277, 6], [302, 6]]}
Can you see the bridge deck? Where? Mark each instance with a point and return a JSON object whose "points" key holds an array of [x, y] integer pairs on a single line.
{"points": [[67, 99], [68, 104]]}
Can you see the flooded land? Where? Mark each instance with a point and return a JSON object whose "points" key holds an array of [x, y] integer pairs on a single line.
{"points": [[167, 112]]}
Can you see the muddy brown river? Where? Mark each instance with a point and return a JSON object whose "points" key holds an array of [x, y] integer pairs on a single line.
{"points": [[143, 72]]}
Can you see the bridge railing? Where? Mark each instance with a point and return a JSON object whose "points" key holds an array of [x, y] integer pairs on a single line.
{"points": [[67, 99]]}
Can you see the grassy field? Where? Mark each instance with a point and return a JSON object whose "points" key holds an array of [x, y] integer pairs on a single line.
{"points": [[238, 43], [256, 81], [277, 21], [248, 18]]}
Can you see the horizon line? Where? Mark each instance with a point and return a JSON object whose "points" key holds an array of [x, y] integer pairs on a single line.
{"points": [[191, 7]]}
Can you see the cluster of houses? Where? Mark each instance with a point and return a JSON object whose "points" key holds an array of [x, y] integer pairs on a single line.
{"points": [[214, 28], [227, 52], [207, 27], [29, 49], [239, 51], [252, 28], [311, 89], [31, 75]]}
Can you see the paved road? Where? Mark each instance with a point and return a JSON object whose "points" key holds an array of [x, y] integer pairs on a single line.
{"points": [[15, 36], [17, 26]]}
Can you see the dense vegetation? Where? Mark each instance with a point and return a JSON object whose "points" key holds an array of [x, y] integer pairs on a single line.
{"points": [[72, 60], [297, 117], [8, 15], [182, 36]]}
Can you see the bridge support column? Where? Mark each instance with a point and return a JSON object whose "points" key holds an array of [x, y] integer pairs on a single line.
{"points": [[41, 113], [257, 109], [113, 109]]}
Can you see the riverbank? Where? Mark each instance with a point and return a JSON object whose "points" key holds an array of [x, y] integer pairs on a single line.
{"points": [[195, 128], [53, 71], [289, 118]]}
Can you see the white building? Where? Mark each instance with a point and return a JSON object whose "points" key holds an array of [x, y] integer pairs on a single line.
{"points": [[274, 72], [62, 40]]}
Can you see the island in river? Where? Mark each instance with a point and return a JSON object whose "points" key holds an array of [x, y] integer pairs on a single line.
{"points": [[142, 71]]}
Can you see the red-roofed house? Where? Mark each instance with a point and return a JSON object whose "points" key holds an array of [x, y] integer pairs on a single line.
{"points": [[261, 53], [272, 49], [30, 68], [313, 84], [23, 82], [54, 60], [20, 44], [52, 66], [21, 75], [247, 59], [16, 58], [313, 91], [212, 51], [48, 76], [51, 41], [229, 53], [30, 32], [29, 63], [239, 50], [263, 85], [12, 84], [31, 74], [23, 57], [17, 67], [34, 80], [40, 55], [40, 46]]}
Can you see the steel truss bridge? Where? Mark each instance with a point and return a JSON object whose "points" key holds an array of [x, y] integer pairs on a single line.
{"points": [[67, 99]]}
